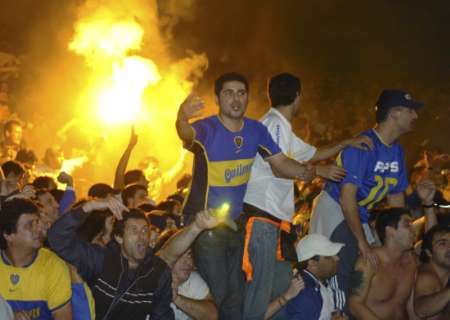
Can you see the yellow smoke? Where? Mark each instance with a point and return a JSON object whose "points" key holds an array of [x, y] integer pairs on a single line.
{"points": [[132, 79]]}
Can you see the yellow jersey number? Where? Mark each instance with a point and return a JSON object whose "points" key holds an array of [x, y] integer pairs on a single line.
{"points": [[373, 198]]}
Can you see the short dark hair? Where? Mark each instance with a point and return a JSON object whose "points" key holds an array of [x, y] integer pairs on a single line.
{"points": [[167, 205], [227, 77], [283, 89], [119, 225], [388, 217], [13, 167], [302, 265], [93, 225], [130, 191], [10, 123], [10, 214], [133, 176], [26, 156], [100, 190], [43, 182], [427, 242]]}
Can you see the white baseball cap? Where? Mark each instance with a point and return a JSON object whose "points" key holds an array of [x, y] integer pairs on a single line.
{"points": [[316, 244]]}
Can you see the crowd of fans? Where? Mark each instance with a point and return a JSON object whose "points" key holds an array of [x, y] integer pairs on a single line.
{"points": [[265, 227]]}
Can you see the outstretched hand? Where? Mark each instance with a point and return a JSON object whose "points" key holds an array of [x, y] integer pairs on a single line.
{"points": [[331, 172], [191, 107]]}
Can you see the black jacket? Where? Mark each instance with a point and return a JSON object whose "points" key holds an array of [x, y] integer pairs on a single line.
{"points": [[144, 293]]}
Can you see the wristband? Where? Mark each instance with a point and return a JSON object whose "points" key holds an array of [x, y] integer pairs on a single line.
{"points": [[427, 206]]}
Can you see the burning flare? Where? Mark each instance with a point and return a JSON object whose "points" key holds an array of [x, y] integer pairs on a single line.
{"points": [[121, 79]]}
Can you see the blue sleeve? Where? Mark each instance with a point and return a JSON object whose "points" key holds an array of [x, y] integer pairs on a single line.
{"points": [[304, 306], [80, 303], [266, 146], [402, 175], [354, 161], [68, 199], [202, 131]]}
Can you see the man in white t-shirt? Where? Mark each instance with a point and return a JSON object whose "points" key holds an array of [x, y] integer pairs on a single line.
{"points": [[269, 201], [191, 298]]}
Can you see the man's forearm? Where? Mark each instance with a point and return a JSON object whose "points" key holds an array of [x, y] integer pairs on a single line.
{"points": [[328, 151], [197, 309], [432, 304], [63, 240], [351, 215], [178, 244], [284, 167], [430, 218], [185, 130], [119, 178]]}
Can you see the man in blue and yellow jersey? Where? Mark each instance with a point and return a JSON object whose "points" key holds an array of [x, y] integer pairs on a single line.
{"points": [[225, 146], [341, 211], [34, 281]]}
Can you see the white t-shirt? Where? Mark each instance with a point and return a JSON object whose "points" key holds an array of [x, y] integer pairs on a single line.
{"points": [[194, 288], [264, 190]]}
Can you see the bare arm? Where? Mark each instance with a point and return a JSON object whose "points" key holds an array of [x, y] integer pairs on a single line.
{"points": [[351, 215], [396, 200], [297, 284], [359, 290], [197, 309], [429, 298], [119, 177], [190, 108], [284, 167], [182, 240], [426, 189], [64, 313], [361, 142]]}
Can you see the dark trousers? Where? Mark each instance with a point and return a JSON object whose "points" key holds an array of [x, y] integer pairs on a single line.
{"points": [[218, 257], [347, 260]]}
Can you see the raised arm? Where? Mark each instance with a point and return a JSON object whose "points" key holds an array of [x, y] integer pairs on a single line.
{"points": [[359, 290], [189, 109], [119, 178], [63, 238], [69, 196], [180, 242]]}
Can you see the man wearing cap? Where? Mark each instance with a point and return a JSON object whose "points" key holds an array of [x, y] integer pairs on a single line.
{"points": [[341, 211], [318, 262]]}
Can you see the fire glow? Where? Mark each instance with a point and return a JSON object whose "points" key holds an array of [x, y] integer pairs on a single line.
{"points": [[119, 98], [123, 87]]}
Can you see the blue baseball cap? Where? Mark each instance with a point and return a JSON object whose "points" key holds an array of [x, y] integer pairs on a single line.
{"points": [[394, 98]]}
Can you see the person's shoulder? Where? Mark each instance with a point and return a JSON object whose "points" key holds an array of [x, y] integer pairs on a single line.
{"points": [[49, 261], [427, 274], [210, 120], [48, 256], [254, 126]]}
